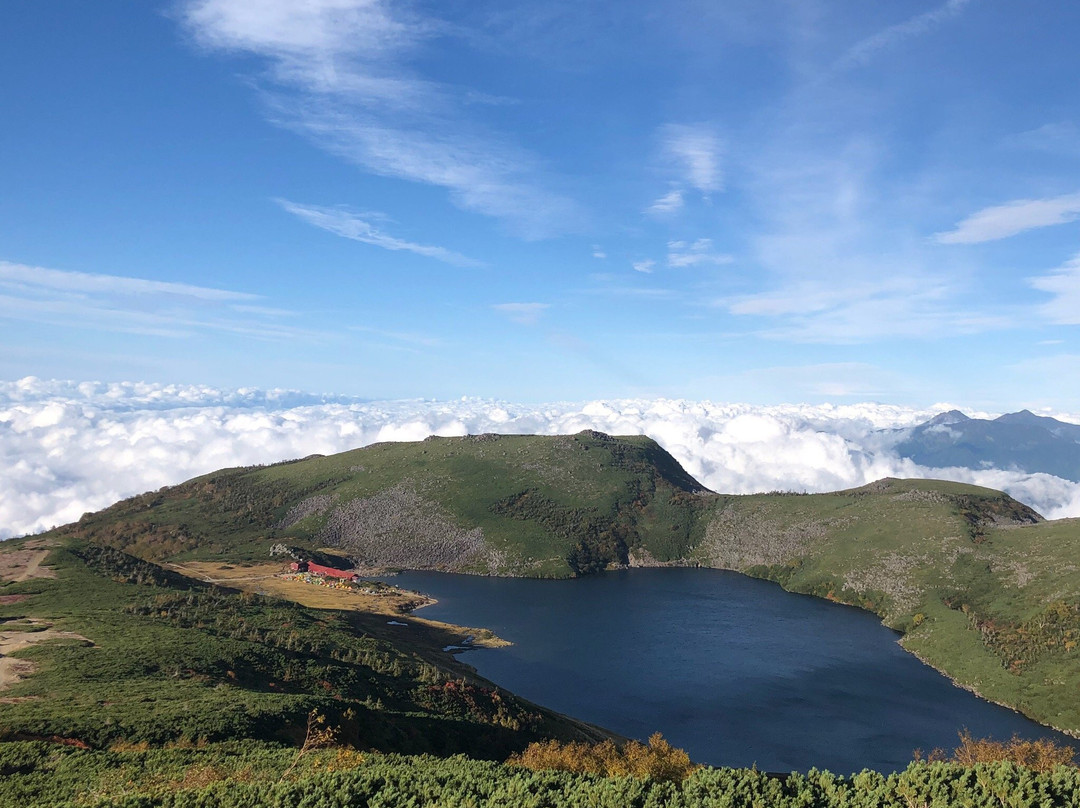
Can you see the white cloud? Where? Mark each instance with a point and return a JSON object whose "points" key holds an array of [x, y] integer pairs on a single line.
{"points": [[1002, 221], [134, 305], [697, 253], [667, 204], [646, 266], [294, 30], [355, 226], [598, 252], [522, 313], [695, 152], [67, 447], [863, 51], [339, 72], [1064, 284], [859, 311], [609, 286]]}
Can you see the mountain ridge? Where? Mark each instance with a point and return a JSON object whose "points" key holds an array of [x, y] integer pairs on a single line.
{"points": [[1019, 441], [973, 579]]}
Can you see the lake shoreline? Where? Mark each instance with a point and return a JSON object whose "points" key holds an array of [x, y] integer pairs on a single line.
{"points": [[592, 696], [645, 561]]}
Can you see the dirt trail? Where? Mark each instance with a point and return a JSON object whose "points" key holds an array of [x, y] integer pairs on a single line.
{"points": [[25, 563], [13, 670], [33, 568], [203, 571]]}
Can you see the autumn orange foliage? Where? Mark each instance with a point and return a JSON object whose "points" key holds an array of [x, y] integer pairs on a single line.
{"points": [[657, 761], [1040, 756]]}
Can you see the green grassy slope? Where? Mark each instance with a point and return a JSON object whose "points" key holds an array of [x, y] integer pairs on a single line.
{"points": [[884, 546], [520, 505], [151, 656], [981, 586]]}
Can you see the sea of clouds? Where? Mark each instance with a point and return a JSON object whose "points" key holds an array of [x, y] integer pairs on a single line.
{"points": [[71, 447]]}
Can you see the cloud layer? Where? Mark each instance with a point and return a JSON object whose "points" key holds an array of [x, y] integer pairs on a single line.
{"points": [[67, 448]]}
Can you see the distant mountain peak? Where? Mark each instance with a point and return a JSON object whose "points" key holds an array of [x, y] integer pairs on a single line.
{"points": [[946, 418], [1022, 417], [1017, 440]]}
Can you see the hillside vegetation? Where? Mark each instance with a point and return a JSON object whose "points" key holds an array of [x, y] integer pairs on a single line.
{"points": [[983, 588], [979, 584], [128, 678], [138, 654], [510, 505], [248, 774]]}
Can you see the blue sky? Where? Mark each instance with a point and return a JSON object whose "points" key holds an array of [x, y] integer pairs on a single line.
{"points": [[742, 201]]}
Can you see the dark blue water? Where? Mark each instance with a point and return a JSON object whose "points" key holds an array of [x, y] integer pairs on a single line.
{"points": [[736, 671]]}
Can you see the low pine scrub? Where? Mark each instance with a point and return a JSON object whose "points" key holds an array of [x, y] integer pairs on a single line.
{"points": [[251, 775]]}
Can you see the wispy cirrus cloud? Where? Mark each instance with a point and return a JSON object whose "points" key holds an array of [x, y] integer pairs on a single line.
{"points": [[864, 50], [819, 311], [1057, 138], [135, 305], [840, 255], [355, 226], [405, 338], [694, 151], [669, 203], [1002, 221], [29, 278], [522, 313], [646, 266], [696, 253], [1064, 284], [343, 73]]}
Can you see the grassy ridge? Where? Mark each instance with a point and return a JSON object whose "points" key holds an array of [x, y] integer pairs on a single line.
{"points": [[980, 585], [544, 506]]}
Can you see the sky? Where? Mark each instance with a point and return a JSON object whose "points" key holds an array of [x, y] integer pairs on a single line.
{"points": [[767, 233], [756, 201]]}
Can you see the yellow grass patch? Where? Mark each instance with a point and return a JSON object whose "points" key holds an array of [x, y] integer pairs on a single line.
{"points": [[274, 579]]}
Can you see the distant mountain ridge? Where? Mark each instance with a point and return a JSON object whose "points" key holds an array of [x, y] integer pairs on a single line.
{"points": [[1017, 440]]}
